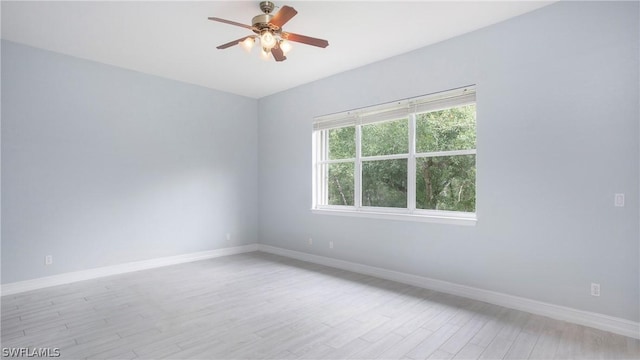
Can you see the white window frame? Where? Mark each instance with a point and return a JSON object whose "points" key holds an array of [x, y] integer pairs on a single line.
{"points": [[405, 109]]}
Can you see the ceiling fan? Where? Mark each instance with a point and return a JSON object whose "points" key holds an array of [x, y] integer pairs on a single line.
{"points": [[268, 31]]}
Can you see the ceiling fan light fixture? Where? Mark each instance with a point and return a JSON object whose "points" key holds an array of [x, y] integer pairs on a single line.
{"points": [[265, 54], [248, 43], [268, 40], [285, 46]]}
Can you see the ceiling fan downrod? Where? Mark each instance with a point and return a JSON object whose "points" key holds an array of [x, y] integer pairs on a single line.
{"points": [[267, 7]]}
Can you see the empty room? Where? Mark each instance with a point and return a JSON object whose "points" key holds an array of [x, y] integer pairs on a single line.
{"points": [[320, 179]]}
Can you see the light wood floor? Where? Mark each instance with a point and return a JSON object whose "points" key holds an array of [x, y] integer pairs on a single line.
{"points": [[258, 305]]}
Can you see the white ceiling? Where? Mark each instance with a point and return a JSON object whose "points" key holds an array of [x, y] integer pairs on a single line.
{"points": [[176, 41]]}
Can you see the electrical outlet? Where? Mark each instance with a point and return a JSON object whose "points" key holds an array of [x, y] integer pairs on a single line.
{"points": [[310, 241], [48, 260], [330, 244], [228, 236], [618, 200], [595, 289]]}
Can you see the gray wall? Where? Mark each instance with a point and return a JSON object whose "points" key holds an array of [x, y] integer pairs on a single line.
{"points": [[102, 166], [558, 135]]}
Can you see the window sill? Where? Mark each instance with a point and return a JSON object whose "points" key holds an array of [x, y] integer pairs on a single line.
{"points": [[446, 218]]}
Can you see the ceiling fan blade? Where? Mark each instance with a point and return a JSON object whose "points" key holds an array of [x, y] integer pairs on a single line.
{"points": [[232, 43], [231, 22], [278, 54], [305, 39], [283, 15]]}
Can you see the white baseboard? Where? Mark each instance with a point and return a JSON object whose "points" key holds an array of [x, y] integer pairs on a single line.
{"points": [[39, 283], [594, 320], [590, 319]]}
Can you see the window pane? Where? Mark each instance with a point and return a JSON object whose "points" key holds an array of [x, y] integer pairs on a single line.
{"points": [[384, 183], [342, 143], [446, 183], [340, 183], [449, 129], [386, 138]]}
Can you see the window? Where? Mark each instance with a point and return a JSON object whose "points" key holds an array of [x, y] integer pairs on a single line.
{"points": [[411, 160]]}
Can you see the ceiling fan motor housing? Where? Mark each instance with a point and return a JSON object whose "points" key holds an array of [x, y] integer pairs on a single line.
{"points": [[262, 22]]}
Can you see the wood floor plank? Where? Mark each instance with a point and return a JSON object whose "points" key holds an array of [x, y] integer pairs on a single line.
{"points": [[263, 306], [469, 330], [522, 346], [440, 355], [346, 336], [470, 351], [497, 349], [547, 344], [633, 346], [433, 314], [433, 342], [569, 346], [402, 348], [398, 320], [347, 350], [378, 347], [491, 328], [315, 351]]}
